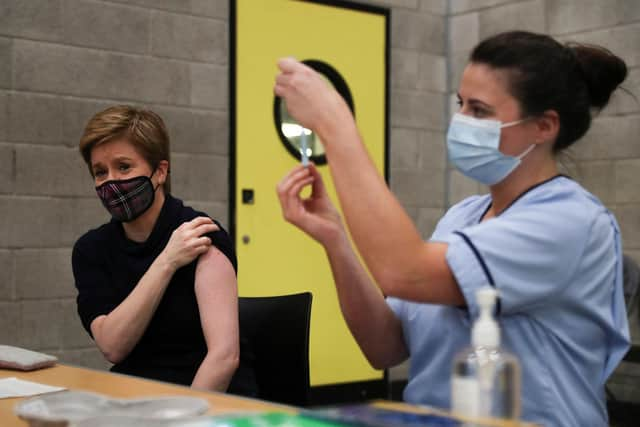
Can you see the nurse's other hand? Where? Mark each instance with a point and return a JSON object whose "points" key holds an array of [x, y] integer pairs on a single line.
{"points": [[315, 215], [187, 242], [310, 99]]}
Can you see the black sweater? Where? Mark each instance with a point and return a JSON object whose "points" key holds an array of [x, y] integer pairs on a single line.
{"points": [[107, 266]]}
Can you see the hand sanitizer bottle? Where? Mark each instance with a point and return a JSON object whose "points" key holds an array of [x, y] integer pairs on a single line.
{"points": [[486, 379]]}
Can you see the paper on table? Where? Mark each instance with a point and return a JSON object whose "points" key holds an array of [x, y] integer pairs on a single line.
{"points": [[14, 387]]}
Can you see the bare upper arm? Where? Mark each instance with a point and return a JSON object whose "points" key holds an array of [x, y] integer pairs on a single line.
{"points": [[217, 296]]}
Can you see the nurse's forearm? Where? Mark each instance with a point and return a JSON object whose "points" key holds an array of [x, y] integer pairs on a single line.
{"points": [[401, 262], [372, 323]]}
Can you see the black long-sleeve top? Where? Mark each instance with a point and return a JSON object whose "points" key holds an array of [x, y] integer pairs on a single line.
{"points": [[107, 266]]}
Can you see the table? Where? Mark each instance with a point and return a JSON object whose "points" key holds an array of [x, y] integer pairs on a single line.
{"points": [[125, 386]]}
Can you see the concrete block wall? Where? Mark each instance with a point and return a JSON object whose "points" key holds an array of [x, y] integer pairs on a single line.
{"points": [[607, 160], [61, 61]]}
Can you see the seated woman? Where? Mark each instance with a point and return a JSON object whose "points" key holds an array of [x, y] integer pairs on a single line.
{"points": [[550, 248], [157, 284]]}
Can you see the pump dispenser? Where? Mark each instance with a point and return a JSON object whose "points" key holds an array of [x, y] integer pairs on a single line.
{"points": [[486, 379]]}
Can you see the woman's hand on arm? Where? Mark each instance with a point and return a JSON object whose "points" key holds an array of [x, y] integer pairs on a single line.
{"points": [[373, 324], [117, 333], [402, 264], [217, 294]]}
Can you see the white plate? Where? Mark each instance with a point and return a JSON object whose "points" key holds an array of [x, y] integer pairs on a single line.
{"points": [[120, 421], [77, 405]]}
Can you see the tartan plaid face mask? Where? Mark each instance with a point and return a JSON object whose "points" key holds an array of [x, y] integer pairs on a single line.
{"points": [[127, 199]]}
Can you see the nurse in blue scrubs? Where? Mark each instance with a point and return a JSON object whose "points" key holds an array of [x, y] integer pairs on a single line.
{"points": [[549, 247]]}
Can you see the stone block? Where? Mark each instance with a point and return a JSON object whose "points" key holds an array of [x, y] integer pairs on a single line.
{"points": [[194, 131], [209, 86], [4, 115], [77, 71], [462, 6], [420, 31], [51, 171], [86, 357], [437, 7], [190, 38], [420, 189], [610, 138], [622, 40], [171, 5], [428, 220], [433, 147], [571, 16], [464, 32], [10, 321], [404, 68], [200, 177], [216, 210], [210, 8], [599, 178], [634, 254], [628, 10], [5, 62], [6, 276], [461, 187], [44, 274], [628, 216], [73, 333], [106, 26], [399, 372], [422, 110], [7, 171], [458, 62], [627, 173], [36, 222], [524, 16], [404, 4], [75, 115], [40, 325], [432, 73], [35, 118], [404, 149], [35, 19]]}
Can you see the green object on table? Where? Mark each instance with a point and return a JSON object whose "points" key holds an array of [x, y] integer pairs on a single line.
{"points": [[271, 419]]}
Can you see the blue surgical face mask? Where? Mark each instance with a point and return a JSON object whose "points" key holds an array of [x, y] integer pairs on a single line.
{"points": [[474, 149]]}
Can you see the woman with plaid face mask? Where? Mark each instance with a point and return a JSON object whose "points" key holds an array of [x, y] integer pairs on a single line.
{"points": [[157, 283]]}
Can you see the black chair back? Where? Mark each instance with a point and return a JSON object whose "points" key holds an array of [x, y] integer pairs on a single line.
{"points": [[276, 329]]}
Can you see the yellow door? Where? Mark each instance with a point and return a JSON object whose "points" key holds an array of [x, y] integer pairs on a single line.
{"points": [[274, 257]]}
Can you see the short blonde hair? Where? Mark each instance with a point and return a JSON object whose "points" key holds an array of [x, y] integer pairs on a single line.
{"points": [[144, 129]]}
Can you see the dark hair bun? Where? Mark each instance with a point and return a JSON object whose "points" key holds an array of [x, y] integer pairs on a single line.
{"points": [[602, 70]]}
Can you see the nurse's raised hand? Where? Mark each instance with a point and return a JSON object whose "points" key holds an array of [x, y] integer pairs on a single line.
{"points": [[315, 215], [311, 100]]}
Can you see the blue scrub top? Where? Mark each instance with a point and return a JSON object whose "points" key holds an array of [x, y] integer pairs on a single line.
{"points": [[554, 255]]}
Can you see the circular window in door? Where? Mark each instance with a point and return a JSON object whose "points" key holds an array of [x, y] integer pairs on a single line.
{"points": [[296, 138]]}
